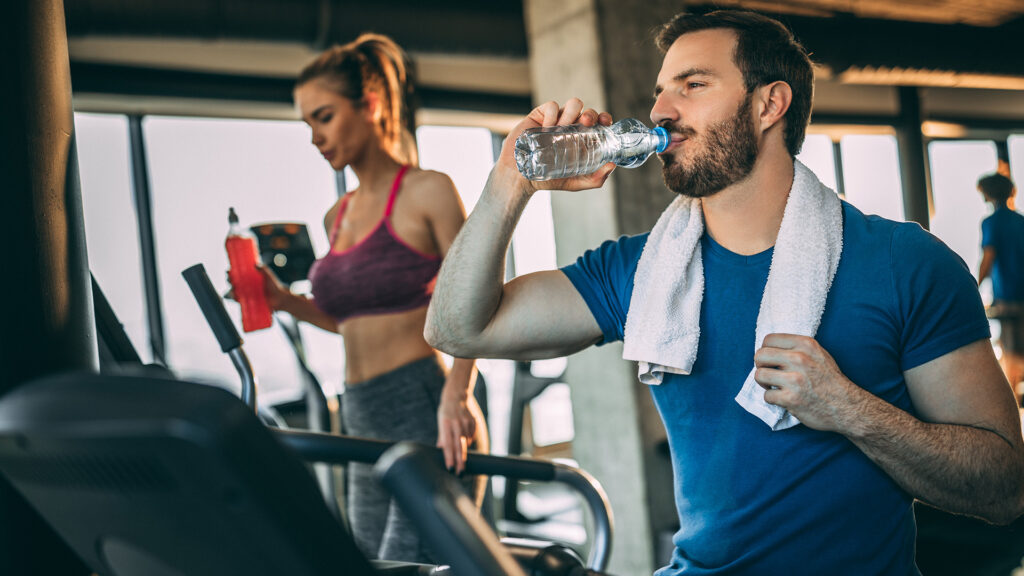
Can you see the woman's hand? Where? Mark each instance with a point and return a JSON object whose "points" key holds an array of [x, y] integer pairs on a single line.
{"points": [[278, 295], [456, 426]]}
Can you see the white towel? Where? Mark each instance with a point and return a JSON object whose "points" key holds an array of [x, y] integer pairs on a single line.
{"points": [[663, 323]]}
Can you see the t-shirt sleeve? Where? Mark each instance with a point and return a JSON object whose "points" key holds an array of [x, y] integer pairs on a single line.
{"points": [[604, 278], [937, 297], [988, 233]]}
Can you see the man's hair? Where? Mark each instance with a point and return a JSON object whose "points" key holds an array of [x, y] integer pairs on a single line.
{"points": [[766, 52], [997, 187]]}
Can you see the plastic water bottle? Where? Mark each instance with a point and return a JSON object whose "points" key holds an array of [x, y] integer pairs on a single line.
{"points": [[246, 280], [553, 152]]}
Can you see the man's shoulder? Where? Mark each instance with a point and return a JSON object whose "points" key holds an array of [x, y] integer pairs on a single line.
{"points": [[881, 244], [862, 229], [1011, 215], [869, 233], [626, 247], [616, 257], [873, 224]]}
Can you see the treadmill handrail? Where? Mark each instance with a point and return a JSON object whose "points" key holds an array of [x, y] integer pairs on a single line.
{"points": [[332, 449]]}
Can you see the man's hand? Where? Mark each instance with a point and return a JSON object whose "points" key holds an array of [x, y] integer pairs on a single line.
{"points": [[800, 376], [549, 114]]}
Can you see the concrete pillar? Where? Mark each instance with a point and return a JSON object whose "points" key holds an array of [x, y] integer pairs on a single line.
{"points": [[601, 51], [48, 324]]}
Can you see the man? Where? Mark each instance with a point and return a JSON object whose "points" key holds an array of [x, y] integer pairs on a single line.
{"points": [[898, 393], [1002, 243]]}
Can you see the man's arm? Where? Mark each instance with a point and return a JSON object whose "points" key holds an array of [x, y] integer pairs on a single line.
{"points": [[988, 257], [964, 453], [473, 313]]}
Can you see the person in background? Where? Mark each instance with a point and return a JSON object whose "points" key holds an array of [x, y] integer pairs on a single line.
{"points": [[387, 240], [816, 368], [1002, 243]]}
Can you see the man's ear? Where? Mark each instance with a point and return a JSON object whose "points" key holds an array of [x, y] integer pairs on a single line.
{"points": [[775, 99]]}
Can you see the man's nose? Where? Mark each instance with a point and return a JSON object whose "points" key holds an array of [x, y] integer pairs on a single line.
{"points": [[663, 112]]}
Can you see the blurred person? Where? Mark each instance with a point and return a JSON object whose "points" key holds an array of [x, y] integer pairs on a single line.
{"points": [[816, 369], [387, 240], [1002, 243]]}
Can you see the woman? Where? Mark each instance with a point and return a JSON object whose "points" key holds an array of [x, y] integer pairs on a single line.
{"points": [[387, 240]]}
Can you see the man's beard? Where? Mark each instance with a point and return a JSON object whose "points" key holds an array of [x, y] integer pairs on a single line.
{"points": [[728, 156]]}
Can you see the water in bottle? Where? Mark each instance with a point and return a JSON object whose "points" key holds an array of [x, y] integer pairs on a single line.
{"points": [[553, 152], [246, 280]]}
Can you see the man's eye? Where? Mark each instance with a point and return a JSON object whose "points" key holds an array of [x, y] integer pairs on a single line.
{"points": [[325, 118], [694, 84]]}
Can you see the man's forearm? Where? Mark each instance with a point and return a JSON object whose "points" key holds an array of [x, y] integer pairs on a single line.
{"points": [[960, 468], [470, 281]]}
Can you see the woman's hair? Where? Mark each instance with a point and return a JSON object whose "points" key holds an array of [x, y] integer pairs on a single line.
{"points": [[372, 63]]}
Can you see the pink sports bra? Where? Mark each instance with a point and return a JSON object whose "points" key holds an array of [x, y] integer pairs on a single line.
{"points": [[379, 275]]}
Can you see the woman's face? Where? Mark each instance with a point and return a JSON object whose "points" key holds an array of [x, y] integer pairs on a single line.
{"points": [[341, 129]]}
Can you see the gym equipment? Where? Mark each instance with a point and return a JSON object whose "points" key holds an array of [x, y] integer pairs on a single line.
{"points": [[156, 476], [330, 449], [286, 249]]}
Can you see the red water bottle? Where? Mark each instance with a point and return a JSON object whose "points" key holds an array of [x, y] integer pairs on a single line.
{"points": [[245, 279]]}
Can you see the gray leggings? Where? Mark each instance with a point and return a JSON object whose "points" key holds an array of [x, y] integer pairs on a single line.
{"points": [[399, 405]]}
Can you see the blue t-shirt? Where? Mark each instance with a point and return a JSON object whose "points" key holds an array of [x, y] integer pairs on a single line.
{"points": [[797, 501], [1004, 231]]}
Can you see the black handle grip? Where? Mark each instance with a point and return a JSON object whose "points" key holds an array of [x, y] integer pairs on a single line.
{"points": [[212, 307], [334, 449], [445, 517]]}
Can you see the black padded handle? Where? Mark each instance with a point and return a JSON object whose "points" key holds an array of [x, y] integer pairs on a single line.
{"points": [[213, 308], [444, 516], [335, 449]]}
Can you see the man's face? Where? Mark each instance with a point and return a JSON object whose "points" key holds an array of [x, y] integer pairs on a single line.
{"points": [[702, 101]]}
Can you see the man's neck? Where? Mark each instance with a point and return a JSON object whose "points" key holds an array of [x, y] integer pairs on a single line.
{"points": [[745, 217]]}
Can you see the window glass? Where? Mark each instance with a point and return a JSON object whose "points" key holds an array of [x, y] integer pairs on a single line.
{"points": [[817, 154], [958, 206], [267, 171], [871, 174], [465, 154], [111, 227]]}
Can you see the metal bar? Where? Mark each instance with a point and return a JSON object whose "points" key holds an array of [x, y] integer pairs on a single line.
{"points": [[330, 449], [245, 372], [837, 163], [597, 501], [340, 185], [91, 78], [913, 158], [147, 241], [854, 119]]}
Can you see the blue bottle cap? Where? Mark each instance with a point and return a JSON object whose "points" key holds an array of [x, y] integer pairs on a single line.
{"points": [[663, 138]]}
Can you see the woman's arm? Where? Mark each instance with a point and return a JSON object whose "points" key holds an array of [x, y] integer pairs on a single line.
{"points": [[457, 414], [302, 308]]}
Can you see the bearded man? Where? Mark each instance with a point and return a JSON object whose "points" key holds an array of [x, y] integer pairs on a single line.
{"points": [[816, 369]]}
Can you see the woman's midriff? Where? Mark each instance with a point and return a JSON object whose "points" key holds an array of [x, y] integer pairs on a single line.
{"points": [[378, 344]]}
